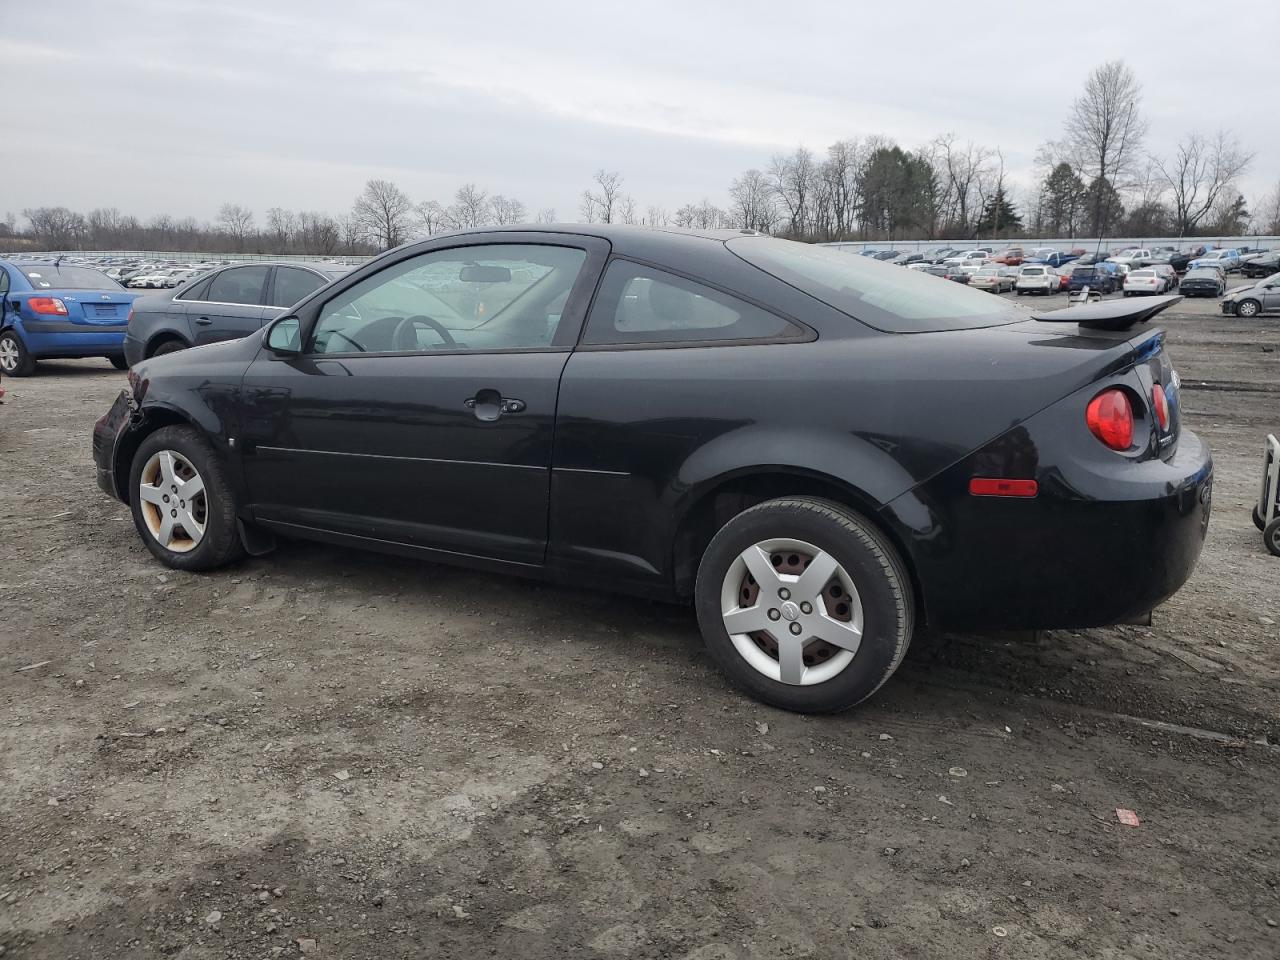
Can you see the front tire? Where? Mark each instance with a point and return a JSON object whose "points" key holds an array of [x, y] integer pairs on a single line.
{"points": [[182, 503], [819, 603], [1248, 308], [15, 359]]}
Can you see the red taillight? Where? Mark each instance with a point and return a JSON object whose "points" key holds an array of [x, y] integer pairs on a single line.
{"points": [[47, 305], [1161, 404], [1001, 487], [1110, 418]]}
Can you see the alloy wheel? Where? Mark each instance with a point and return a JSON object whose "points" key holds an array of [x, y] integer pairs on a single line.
{"points": [[1247, 309], [792, 611], [174, 504], [9, 355]]}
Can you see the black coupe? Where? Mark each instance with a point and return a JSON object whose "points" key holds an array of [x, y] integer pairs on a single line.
{"points": [[823, 453]]}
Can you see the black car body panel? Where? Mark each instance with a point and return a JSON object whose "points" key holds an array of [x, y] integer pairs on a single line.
{"points": [[620, 455]]}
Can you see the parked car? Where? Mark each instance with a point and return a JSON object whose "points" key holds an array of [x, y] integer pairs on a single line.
{"points": [[55, 310], [1053, 258], [1202, 282], [1166, 273], [1261, 266], [1133, 257], [1036, 278], [623, 414], [1095, 277], [1260, 297], [1144, 280], [223, 305], [994, 278], [1228, 260], [968, 257], [1010, 258]]}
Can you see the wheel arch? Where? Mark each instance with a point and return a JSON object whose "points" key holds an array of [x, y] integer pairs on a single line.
{"points": [[154, 417], [163, 335], [728, 495]]}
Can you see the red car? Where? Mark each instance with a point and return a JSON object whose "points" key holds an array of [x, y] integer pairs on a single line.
{"points": [[1010, 258]]}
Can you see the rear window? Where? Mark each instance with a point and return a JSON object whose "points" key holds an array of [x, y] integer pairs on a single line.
{"points": [[46, 276], [1143, 273], [1033, 271], [881, 296], [1082, 272]]}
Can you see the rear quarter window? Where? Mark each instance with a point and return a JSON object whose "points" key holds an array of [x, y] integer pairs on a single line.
{"points": [[879, 295]]}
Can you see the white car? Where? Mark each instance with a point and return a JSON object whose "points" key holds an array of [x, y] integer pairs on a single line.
{"points": [[1134, 257], [1036, 278], [149, 281], [974, 258], [1143, 280]]}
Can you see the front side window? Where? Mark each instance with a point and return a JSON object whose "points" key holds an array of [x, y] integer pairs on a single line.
{"points": [[293, 284], [476, 299], [238, 285], [638, 305]]}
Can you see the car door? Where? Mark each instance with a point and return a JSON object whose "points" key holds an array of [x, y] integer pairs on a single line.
{"points": [[422, 406], [1271, 297], [232, 306]]}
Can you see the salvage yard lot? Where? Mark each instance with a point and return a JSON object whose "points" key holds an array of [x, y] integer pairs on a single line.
{"points": [[366, 757]]}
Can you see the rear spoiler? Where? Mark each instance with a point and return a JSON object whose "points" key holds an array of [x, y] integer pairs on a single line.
{"points": [[1110, 314]]}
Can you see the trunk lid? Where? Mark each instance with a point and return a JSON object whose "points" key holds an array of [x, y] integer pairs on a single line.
{"points": [[90, 307]]}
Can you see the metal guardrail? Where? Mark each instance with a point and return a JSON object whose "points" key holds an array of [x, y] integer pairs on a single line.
{"points": [[1059, 243], [188, 255]]}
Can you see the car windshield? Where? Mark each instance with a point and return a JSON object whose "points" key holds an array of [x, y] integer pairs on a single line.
{"points": [[48, 276], [881, 296]]}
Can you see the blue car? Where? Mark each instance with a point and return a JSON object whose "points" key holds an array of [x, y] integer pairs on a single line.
{"points": [[59, 309]]}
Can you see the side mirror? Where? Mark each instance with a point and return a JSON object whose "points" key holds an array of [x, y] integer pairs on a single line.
{"points": [[284, 337]]}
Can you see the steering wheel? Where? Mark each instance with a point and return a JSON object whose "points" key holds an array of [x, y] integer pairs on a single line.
{"points": [[400, 337]]}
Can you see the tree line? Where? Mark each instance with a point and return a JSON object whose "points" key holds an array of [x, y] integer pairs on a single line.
{"points": [[1096, 180]]}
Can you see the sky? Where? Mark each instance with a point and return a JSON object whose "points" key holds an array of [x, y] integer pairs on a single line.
{"points": [[179, 106]]}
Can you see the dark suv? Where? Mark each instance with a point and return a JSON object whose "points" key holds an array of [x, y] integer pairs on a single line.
{"points": [[224, 305], [1095, 277]]}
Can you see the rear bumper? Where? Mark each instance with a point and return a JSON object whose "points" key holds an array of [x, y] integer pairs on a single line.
{"points": [[106, 437], [62, 338], [1104, 540], [135, 351]]}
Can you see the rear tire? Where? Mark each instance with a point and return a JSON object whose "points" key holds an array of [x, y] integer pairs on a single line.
{"points": [[15, 359], [218, 543], [1259, 520], [120, 363], [167, 346], [1271, 537], [876, 594]]}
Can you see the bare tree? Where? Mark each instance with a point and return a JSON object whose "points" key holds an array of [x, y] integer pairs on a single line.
{"points": [[1200, 172], [507, 210], [1267, 216], [281, 225], [753, 203], [470, 207], [56, 228], [236, 222], [791, 177], [383, 212], [657, 216], [601, 203], [1104, 131], [546, 215], [627, 209], [432, 218]]}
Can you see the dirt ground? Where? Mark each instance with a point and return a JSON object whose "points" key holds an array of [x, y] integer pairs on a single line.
{"points": [[344, 755]]}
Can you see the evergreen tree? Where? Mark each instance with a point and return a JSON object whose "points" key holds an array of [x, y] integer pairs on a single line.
{"points": [[999, 216]]}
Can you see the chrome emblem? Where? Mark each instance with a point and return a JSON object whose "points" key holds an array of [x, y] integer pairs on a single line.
{"points": [[790, 611]]}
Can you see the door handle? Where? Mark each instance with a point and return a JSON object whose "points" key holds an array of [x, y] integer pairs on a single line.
{"points": [[203, 322], [490, 405]]}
